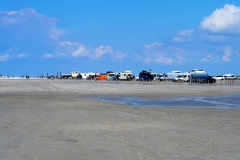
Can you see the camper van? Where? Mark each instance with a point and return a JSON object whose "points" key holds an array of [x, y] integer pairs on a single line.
{"points": [[76, 75], [127, 76], [170, 76]]}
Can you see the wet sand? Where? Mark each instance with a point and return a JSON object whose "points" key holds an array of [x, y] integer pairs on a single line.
{"points": [[45, 119]]}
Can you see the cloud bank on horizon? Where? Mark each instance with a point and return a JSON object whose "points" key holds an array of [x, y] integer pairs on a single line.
{"points": [[27, 34]]}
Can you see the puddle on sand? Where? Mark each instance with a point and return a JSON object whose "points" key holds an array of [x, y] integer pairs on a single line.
{"points": [[221, 102]]}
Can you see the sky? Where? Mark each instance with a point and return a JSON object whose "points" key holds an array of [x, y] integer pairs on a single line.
{"points": [[49, 37]]}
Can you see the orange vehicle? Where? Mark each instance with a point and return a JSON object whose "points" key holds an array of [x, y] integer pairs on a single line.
{"points": [[102, 76]]}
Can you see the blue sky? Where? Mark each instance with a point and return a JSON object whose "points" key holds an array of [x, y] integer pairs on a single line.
{"points": [[101, 35]]}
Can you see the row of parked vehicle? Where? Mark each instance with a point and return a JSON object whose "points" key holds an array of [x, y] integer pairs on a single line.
{"points": [[109, 75], [226, 77], [194, 76]]}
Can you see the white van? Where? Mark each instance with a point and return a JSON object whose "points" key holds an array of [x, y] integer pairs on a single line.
{"points": [[219, 77], [229, 76], [84, 75], [184, 78], [170, 76], [155, 76]]}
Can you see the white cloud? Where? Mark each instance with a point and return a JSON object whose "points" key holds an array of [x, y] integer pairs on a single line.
{"points": [[16, 17], [137, 57], [180, 59], [179, 55], [148, 60], [8, 18], [226, 19], [186, 33], [153, 45], [182, 39], [12, 12], [164, 60], [118, 55], [55, 33], [48, 55], [4, 57], [164, 55], [101, 50], [29, 22], [81, 51], [68, 43], [184, 36], [26, 29], [214, 38], [159, 58], [22, 55], [227, 55]]}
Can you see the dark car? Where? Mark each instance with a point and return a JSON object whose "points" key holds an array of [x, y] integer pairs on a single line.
{"points": [[91, 77], [65, 76], [210, 79], [79, 76], [145, 76]]}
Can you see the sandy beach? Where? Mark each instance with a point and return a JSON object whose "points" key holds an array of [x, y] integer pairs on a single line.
{"points": [[56, 119]]}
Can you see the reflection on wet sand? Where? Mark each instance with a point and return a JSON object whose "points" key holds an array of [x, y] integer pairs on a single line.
{"points": [[221, 102]]}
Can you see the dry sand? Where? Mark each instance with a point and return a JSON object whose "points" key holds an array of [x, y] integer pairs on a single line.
{"points": [[45, 119]]}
